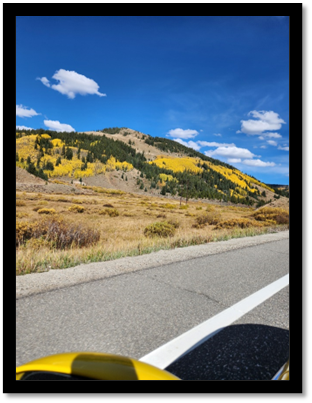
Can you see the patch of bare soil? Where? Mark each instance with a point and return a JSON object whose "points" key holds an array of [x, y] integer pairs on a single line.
{"points": [[22, 176], [282, 202], [150, 152], [27, 182]]}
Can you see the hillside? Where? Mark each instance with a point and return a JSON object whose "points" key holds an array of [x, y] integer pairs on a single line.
{"points": [[131, 161]]}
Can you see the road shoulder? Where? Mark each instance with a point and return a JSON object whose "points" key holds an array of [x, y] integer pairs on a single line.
{"points": [[36, 283]]}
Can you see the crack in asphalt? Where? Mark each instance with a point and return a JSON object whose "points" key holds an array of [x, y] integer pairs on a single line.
{"points": [[185, 289]]}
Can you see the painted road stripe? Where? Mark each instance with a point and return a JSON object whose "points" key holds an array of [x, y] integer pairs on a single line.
{"points": [[186, 342]]}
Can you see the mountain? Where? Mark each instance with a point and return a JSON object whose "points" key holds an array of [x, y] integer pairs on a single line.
{"points": [[129, 160]]}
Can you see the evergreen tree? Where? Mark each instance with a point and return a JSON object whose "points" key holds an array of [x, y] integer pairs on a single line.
{"points": [[69, 153]]}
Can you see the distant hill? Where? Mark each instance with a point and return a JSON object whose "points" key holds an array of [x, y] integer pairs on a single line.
{"points": [[130, 160]]}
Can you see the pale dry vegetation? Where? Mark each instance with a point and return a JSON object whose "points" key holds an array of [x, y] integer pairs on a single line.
{"points": [[107, 225]]}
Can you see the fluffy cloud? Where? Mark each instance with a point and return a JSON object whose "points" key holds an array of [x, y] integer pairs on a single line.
{"points": [[23, 112], [258, 163], [263, 147], [231, 152], [183, 134], [198, 144], [24, 128], [72, 83], [190, 144], [272, 135], [272, 143], [266, 121], [233, 160], [214, 144], [217, 134], [283, 148], [44, 81], [57, 126]]}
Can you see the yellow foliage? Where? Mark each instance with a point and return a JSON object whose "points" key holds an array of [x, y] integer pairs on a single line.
{"points": [[112, 164], [76, 209], [272, 215], [240, 222], [169, 206], [104, 190], [165, 177], [176, 164], [57, 143], [45, 136], [25, 147], [46, 211], [109, 211], [70, 168]]}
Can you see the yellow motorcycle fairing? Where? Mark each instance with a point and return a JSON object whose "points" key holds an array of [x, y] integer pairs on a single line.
{"points": [[95, 366]]}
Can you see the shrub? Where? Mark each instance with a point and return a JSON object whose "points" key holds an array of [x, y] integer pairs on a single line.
{"points": [[110, 212], [77, 201], [23, 232], [207, 219], [199, 208], [57, 232], [22, 215], [240, 223], [38, 243], [46, 211], [169, 206], [20, 203], [173, 222], [272, 215], [184, 207], [76, 209], [108, 205], [210, 208], [162, 229]]}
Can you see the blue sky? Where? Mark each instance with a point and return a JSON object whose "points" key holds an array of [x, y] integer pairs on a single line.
{"points": [[217, 84]]}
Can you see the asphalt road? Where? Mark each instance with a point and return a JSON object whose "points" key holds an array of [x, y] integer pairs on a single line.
{"points": [[134, 313]]}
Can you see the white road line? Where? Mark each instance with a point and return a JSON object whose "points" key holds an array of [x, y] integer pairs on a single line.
{"points": [[186, 342]]}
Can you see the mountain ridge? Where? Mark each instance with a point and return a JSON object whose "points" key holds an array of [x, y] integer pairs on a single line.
{"points": [[157, 164]]}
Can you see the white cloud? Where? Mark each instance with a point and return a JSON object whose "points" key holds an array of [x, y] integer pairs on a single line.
{"points": [[272, 135], [266, 121], [272, 142], [214, 144], [44, 81], [24, 128], [283, 148], [183, 134], [72, 83], [190, 144], [57, 126], [233, 160], [23, 112], [217, 134], [263, 147], [231, 152], [258, 163]]}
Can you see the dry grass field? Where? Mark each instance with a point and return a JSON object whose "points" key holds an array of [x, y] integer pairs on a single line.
{"points": [[55, 231]]}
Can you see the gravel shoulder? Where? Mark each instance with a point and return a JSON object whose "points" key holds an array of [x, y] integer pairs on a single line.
{"points": [[36, 283]]}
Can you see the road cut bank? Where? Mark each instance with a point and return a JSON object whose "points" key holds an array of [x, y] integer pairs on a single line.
{"points": [[36, 283]]}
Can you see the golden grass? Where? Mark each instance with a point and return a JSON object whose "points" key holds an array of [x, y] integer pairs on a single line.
{"points": [[121, 235]]}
